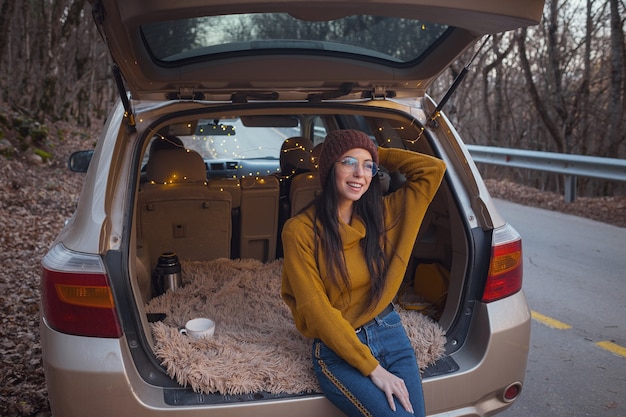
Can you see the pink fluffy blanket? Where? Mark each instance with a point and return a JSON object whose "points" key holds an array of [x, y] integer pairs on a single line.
{"points": [[256, 346]]}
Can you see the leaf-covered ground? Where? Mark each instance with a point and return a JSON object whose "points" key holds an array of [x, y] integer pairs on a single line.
{"points": [[37, 195], [610, 210]]}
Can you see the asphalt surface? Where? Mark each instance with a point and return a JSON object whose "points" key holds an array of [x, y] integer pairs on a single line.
{"points": [[575, 281]]}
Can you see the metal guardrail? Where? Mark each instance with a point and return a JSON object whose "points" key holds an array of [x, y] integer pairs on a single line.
{"points": [[572, 166]]}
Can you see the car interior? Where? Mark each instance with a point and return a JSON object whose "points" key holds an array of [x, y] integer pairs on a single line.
{"points": [[185, 207]]}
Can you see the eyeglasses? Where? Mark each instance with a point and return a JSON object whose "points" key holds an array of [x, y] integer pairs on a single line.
{"points": [[350, 164]]}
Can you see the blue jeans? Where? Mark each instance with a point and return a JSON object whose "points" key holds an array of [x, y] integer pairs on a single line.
{"points": [[355, 394]]}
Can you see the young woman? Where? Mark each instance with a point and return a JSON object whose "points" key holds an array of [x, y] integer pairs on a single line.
{"points": [[344, 260]]}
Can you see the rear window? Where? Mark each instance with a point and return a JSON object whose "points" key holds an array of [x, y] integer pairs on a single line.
{"points": [[394, 40]]}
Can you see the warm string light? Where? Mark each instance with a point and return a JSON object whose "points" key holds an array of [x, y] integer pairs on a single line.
{"points": [[224, 147], [222, 144], [220, 147], [166, 139], [402, 128]]}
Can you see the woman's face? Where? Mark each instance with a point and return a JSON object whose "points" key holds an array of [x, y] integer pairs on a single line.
{"points": [[353, 175]]}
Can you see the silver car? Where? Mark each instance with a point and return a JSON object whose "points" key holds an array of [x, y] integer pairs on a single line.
{"points": [[211, 146]]}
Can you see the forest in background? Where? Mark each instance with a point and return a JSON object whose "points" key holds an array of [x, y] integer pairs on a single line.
{"points": [[559, 86]]}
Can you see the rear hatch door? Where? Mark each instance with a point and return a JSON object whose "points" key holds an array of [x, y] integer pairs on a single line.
{"points": [[313, 49]]}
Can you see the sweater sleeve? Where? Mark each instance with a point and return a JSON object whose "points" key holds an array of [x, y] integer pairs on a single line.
{"points": [[303, 290], [405, 208], [423, 176]]}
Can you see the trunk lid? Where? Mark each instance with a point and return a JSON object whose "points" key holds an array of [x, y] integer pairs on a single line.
{"points": [[310, 50]]}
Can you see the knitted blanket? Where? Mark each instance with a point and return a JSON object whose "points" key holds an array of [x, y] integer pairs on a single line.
{"points": [[256, 346]]}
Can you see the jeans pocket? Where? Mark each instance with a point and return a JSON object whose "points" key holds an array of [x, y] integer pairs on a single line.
{"points": [[391, 320]]}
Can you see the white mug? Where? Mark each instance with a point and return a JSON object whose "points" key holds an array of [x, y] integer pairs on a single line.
{"points": [[199, 328]]}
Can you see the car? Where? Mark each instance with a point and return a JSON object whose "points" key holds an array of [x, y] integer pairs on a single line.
{"points": [[211, 147]]}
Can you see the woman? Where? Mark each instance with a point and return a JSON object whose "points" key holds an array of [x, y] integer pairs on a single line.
{"points": [[344, 261]]}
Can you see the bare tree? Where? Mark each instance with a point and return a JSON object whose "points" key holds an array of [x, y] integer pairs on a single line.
{"points": [[617, 105], [6, 15], [52, 61], [556, 86], [493, 86], [550, 98], [558, 90]]}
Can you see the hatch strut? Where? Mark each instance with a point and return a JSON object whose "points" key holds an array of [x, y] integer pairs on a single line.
{"points": [[432, 120], [128, 111], [457, 81], [99, 15]]}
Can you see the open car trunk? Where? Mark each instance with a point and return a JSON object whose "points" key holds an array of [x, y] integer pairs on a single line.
{"points": [[222, 217]]}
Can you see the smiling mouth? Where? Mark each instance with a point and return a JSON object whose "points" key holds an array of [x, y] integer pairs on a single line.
{"points": [[355, 185]]}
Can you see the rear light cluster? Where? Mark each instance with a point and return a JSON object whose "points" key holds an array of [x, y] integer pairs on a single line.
{"points": [[76, 296], [505, 268]]}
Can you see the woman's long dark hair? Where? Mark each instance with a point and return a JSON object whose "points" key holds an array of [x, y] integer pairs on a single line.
{"points": [[370, 208]]}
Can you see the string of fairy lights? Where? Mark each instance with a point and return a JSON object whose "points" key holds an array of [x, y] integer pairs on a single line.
{"points": [[226, 146], [220, 142]]}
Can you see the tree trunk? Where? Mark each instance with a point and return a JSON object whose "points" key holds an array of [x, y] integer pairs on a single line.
{"points": [[537, 99], [616, 102], [6, 15]]}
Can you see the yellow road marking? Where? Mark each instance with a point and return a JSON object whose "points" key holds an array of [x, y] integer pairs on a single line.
{"points": [[550, 322], [556, 324], [613, 347]]}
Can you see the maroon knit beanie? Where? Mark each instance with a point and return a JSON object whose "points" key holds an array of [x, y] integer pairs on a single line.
{"points": [[339, 142]]}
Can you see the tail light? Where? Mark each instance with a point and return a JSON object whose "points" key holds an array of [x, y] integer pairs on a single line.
{"points": [[505, 268], [76, 296]]}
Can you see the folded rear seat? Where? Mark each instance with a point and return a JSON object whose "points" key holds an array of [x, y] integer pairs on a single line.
{"points": [[178, 212]]}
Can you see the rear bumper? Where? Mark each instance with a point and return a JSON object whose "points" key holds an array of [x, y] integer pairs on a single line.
{"points": [[494, 357], [96, 377]]}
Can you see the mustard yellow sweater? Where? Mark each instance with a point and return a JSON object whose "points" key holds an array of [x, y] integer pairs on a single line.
{"points": [[320, 309]]}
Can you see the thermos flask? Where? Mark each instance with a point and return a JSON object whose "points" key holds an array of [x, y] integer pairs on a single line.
{"points": [[167, 274]]}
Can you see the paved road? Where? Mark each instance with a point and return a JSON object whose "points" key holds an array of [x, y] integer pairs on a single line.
{"points": [[575, 281]]}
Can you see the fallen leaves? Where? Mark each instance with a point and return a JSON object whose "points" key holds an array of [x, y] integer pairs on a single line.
{"points": [[35, 200], [610, 210]]}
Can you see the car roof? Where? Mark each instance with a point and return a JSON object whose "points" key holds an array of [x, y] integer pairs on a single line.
{"points": [[313, 49]]}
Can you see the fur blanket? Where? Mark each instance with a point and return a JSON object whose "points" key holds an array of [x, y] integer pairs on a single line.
{"points": [[256, 346]]}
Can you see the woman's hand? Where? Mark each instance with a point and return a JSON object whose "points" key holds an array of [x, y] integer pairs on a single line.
{"points": [[391, 385]]}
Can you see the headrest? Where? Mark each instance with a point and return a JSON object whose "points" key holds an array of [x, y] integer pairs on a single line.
{"points": [[162, 143], [175, 166], [295, 156], [315, 153]]}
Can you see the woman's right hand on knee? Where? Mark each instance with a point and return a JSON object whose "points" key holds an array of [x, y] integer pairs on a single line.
{"points": [[392, 386]]}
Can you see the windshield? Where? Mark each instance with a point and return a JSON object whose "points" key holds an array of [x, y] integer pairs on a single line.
{"points": [[230, 139], [226, 139], [395, 40]]}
